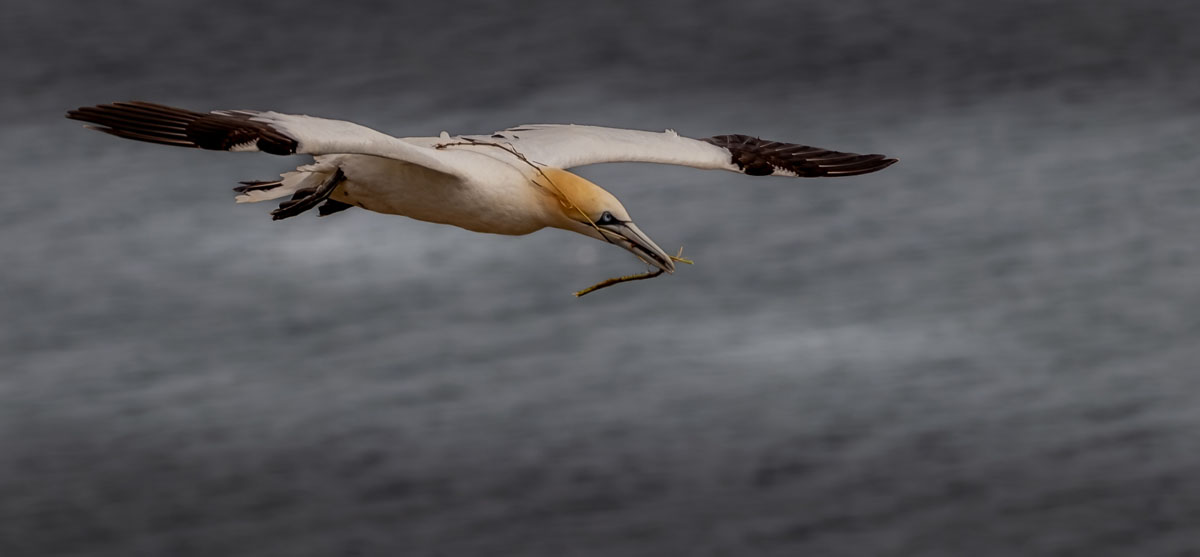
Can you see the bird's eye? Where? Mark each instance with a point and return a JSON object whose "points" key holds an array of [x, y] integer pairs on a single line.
{"points": [[606, 218]]}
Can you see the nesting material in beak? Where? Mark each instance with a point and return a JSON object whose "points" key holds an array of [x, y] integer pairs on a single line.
{"points": [[630, 237]]}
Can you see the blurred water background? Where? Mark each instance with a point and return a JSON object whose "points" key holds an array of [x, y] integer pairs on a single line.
{"points": [[990, 348]]}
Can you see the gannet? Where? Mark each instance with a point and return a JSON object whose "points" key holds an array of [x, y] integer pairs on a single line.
{"points": [[513, 181]]}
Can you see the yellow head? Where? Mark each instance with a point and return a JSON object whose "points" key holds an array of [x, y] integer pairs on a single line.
{"points": [[588, 209]]}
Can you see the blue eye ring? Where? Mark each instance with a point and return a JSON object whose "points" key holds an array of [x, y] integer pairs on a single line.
{"points": [[606, 218]]}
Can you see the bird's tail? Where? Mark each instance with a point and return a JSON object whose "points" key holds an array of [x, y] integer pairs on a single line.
{"points": [[307, 176]]}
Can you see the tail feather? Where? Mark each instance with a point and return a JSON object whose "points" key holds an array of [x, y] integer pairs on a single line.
{"points": [[304, 177], [290, 184], [257, 185]]}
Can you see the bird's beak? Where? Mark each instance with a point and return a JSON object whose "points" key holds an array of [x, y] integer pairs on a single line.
{"points": [[628, 236]]}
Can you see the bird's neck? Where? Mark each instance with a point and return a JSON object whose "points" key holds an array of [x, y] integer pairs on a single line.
{"points": [[563, 193]]}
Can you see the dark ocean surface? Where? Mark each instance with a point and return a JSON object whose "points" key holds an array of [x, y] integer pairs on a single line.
{"points": [[991, 348]]}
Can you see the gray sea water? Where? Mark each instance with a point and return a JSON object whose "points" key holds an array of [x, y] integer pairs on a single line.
{"points": [[990, 348]]}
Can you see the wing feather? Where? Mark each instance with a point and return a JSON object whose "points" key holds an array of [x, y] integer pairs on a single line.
{"points": [[569, 145], [761, 157], [248, 130], [557, 145]]}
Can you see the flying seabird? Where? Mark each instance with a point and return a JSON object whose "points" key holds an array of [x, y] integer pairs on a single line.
{"points": [[513, 181]]}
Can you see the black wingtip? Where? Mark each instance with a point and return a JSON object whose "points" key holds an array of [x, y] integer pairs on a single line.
{"points": [[138, 120], [761, 157], [167, 125]]}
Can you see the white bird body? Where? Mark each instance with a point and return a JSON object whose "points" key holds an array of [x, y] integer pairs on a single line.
{"points": [[511, 182], [496, 197]]}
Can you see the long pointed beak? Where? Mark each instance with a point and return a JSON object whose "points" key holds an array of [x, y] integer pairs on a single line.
{"points": [[630, 237]]}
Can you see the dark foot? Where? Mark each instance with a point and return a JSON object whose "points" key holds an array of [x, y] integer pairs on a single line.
{"points": [[330, 207], [308, 198]]}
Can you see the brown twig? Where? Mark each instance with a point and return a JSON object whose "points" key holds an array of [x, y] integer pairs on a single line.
{"points": [[630, 278], [618, 280]]}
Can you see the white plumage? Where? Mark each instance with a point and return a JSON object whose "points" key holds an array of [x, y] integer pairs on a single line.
{"points": [[572, 145]]}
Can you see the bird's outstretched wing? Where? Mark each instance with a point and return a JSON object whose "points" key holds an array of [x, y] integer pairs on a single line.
{"points": [[248, 130], [569, 145]]}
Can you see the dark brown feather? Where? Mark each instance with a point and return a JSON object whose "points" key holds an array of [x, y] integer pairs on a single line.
{"points": [[166, 125], [257, 185], [761, 157]]}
